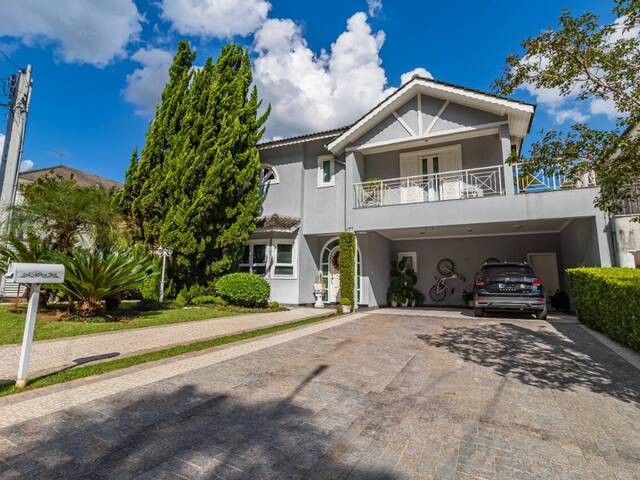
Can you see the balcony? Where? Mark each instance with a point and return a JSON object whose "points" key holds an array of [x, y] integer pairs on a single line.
{"points": [[436, 187], [541, 182]]}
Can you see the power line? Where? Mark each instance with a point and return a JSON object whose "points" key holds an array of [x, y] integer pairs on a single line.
{"points": [[10, 60]]}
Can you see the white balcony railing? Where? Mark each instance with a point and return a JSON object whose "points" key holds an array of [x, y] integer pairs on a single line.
{"points": [[540, 182], [454, 185]]}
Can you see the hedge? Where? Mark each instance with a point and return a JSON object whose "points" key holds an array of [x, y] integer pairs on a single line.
{"points": [[347, 267], [244, 289], [608, 300]]}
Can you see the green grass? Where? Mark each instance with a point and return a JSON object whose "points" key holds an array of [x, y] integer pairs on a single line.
{"points": [[48, 326], [110, 366]]}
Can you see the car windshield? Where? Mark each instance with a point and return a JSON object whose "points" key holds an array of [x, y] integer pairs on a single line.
{"points": [[506, 270]]}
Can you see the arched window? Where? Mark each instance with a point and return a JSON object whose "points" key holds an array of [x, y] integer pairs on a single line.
{"points": [[268, 175]]}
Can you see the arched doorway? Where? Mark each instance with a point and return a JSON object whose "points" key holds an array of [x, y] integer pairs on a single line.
{"points": [[330, 268]]}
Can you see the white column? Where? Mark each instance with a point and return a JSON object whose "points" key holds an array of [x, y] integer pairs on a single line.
{"points": [[505, 147]]}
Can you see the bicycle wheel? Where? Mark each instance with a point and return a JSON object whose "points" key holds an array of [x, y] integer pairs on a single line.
{"points": [[445, 266], [437, 295]]}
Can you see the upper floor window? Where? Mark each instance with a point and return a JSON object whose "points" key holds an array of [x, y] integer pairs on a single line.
{"points": [[326, 171], [268, 175]]}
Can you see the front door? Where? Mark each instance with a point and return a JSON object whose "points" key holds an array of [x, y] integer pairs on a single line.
{"points": [[334, 275]]}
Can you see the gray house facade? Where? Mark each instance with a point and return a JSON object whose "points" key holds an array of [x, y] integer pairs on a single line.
{"points": [[421, 177]]}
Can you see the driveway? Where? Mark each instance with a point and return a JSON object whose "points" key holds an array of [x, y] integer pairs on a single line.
{"points": [[363, 397]]}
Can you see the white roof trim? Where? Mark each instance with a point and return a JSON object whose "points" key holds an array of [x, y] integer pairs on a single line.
{"points": [[292, 141], [442, 136], [519, 113]]}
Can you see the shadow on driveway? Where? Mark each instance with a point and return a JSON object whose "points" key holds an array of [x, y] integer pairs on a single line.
{"points": [[542, 358], [182, 434]]}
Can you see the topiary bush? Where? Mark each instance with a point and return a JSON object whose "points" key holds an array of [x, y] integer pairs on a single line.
{"points": [[608, 300], [244, 289], [347, 268]]}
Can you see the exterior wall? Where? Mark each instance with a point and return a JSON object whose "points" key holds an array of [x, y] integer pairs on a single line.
{"points": [[376, 257], [323, 209], [534, 206], [579, 244], [627, 235], [456, 116], [285, 197], [308, 266], [476, 152], [468, 255]]}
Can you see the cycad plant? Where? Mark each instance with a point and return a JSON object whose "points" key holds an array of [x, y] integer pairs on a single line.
{"points": [[92, 278]]}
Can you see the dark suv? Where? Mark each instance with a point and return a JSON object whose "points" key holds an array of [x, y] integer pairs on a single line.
{"points": [[509, 286]]}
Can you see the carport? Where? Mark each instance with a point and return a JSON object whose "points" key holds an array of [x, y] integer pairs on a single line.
{"points": [[550, 246]]}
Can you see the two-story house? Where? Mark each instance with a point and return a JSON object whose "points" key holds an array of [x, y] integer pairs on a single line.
{"points": [[421, 176]]}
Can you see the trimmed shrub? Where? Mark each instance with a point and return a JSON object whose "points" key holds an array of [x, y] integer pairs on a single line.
{"points": [[208, 300], [147, 305], [186, 296], [347, 267], [608, 300], [275, 306], [244, 289]]}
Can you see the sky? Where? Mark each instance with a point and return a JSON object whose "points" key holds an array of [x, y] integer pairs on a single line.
{"points": [[100, 66]]}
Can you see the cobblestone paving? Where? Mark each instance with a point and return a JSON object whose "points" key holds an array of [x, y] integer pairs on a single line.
{"points": [[382, 397], [51, 355]]}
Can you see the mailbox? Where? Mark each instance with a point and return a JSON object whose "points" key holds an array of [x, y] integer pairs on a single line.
{"points": [[35, 273]]}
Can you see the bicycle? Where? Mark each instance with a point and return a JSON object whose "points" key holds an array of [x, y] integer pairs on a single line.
{"points": [[439, 291]]}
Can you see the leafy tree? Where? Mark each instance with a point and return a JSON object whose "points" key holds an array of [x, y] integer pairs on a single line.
{"points": [[588, 60], [63, 212]]}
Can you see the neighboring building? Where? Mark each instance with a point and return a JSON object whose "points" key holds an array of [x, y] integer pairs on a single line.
{"points": [[421, 176]]}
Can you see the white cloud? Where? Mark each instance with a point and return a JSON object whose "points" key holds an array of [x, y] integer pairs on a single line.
{"points": [[599, 106], [310, 92], [26, 165], [88, 31], [561, 115], [420, 72], [145, 85], [374, 7], [216, 18]]}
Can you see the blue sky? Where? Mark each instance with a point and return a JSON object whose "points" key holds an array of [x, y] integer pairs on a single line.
{"points": [[98, 67]]}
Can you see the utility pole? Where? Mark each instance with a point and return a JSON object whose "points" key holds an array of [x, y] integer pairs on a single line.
{"points": [[20, 96]]}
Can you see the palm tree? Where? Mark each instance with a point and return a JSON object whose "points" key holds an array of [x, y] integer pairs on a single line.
{"points": [[67, 213]]}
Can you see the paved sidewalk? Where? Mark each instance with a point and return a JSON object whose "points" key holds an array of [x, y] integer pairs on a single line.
{"points": [[51, 355]]}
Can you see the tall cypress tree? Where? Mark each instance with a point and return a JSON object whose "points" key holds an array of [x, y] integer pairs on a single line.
{"points": [[128, 193], [148, 208], [215, 171]]}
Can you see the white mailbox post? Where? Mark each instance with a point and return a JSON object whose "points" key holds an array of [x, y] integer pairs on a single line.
{"points": [[34, 274]]}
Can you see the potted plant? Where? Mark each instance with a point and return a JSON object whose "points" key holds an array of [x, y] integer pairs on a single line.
{"points": [[345, 303], [318, 290], [394, 298], [467, 298]]}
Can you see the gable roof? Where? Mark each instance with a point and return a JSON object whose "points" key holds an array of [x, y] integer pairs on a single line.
{"points": [[81, 178], [520, 114]]}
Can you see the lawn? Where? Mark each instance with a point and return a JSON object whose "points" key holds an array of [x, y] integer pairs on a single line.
{"points": [[50, 326]]}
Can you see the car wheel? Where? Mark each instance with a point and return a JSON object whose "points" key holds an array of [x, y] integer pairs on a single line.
{"points": [[478, 312]]}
